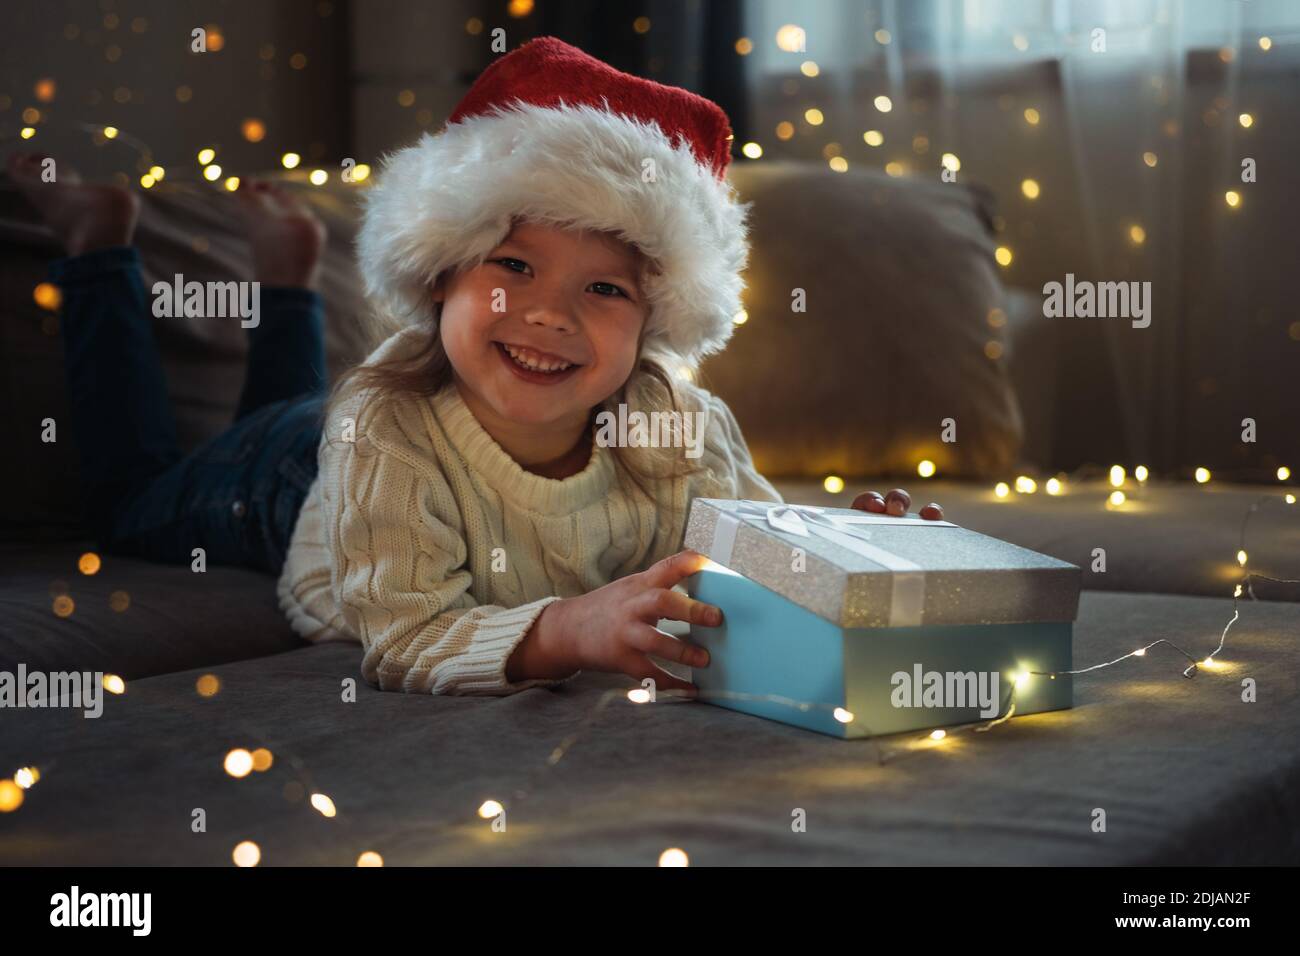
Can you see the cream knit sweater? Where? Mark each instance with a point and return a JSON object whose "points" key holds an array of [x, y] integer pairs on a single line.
{"points": [[427, 543]]}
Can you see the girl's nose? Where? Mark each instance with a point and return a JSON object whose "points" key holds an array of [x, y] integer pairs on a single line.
{"points": [[551, 317]]}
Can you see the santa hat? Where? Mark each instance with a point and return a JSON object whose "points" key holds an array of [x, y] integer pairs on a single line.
{"points": [[548, 133]]}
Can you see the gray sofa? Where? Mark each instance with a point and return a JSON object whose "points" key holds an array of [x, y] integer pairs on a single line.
{"points": [[1187, 772]]}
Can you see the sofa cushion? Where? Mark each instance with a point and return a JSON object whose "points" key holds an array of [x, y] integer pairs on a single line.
{"points": [[131, 618], [1171, 537], [1187, 772], [900, 284]]}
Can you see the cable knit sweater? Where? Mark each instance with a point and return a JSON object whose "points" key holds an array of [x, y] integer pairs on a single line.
{"points": [[397, 542]]}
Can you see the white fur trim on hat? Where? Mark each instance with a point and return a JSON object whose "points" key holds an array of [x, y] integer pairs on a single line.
{"points": [[448, 200]]}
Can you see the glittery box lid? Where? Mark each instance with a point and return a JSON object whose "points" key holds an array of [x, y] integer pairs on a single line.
{"points": [[861, 570]]}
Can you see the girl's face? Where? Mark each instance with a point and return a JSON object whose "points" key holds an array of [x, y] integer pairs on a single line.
{"points": [[566, 303]]}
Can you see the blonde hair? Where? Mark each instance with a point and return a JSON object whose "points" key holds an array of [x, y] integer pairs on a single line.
{"points": [[649, 388]]}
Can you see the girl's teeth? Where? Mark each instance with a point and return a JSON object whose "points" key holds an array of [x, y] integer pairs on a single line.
{"points": [[546, 366]]}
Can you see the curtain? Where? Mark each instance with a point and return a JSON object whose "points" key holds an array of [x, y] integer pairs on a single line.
{"points": [[1114, 134]]}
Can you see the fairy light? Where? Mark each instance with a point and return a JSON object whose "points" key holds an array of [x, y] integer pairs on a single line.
{"points": [[147, 181], [1117, 475], [1241, 558], [212, 173], [1232, 198], [925, 468], [1030, 188], [26, 777], [1003, 255], [110, 132], [290, 160], [361, 173], [1150, 158], [950, 162], [11, 796], [206, 155], [1246, 120], [489, 809], [1265, 43], [246, 854], [370, 858], [813, 117], [1001, 489], [1116, 499], [1031, 116], [1026, 485], [833, 483], [1283, 473], [318, 177], [238, 763], [27, 132], [843, 716], [938, 734], [1290, 499], [1140, 473], [231, 183], [809, 68], [873, 137], [674, 856], [1202, 475], [752, 150], [114, 684], [740, 318], [838, 164], [1054, 486], [883, 103], [323, 805], [639, 695]]}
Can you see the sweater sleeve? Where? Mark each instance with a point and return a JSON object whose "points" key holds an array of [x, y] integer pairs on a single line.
{"points": [[401, 578]]}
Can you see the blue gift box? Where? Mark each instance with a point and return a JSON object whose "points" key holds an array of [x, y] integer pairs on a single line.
{"points": [[857, 625]]}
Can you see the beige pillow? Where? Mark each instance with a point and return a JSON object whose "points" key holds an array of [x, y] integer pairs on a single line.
{"points": [[899, 279]]}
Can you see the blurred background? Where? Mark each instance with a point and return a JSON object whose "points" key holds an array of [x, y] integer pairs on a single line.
{"points": [[1091, 137]]}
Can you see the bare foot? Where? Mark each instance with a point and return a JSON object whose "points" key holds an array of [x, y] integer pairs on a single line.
{"points": [[85, 216], [285, 235]]}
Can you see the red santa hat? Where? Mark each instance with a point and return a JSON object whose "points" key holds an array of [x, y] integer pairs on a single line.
{"points": [[550, 134]]}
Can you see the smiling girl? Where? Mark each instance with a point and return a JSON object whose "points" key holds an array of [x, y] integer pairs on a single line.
{"points": [[566, 245]]}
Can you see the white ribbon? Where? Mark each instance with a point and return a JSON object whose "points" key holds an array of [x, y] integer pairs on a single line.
{"points": [[907, 592]]}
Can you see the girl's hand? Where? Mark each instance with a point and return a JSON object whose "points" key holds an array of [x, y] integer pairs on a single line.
{"points": [[613, 627], [895, 503]]}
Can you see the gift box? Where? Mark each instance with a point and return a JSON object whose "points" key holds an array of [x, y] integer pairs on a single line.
{"points": [[901, 622]]}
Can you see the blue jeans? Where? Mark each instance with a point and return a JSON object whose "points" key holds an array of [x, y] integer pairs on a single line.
{"points": [[238, 496]]}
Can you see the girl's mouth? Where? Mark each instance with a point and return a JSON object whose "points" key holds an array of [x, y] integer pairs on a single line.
{"points": [[538, 375]]}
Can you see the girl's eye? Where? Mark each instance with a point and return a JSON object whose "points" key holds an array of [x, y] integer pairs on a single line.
{"points": [[614, 290], [510, 264]]}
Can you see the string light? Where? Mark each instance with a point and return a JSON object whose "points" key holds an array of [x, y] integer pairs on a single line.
{"points": [[925, 468], [1117, 475], [1283, 473], [1202, 475], [833, 483], [290, 160], [883, 103], [212, 173], [1001, 489]]}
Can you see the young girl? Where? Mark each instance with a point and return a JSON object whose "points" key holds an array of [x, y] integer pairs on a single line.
{"points": [[562, 247]]}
